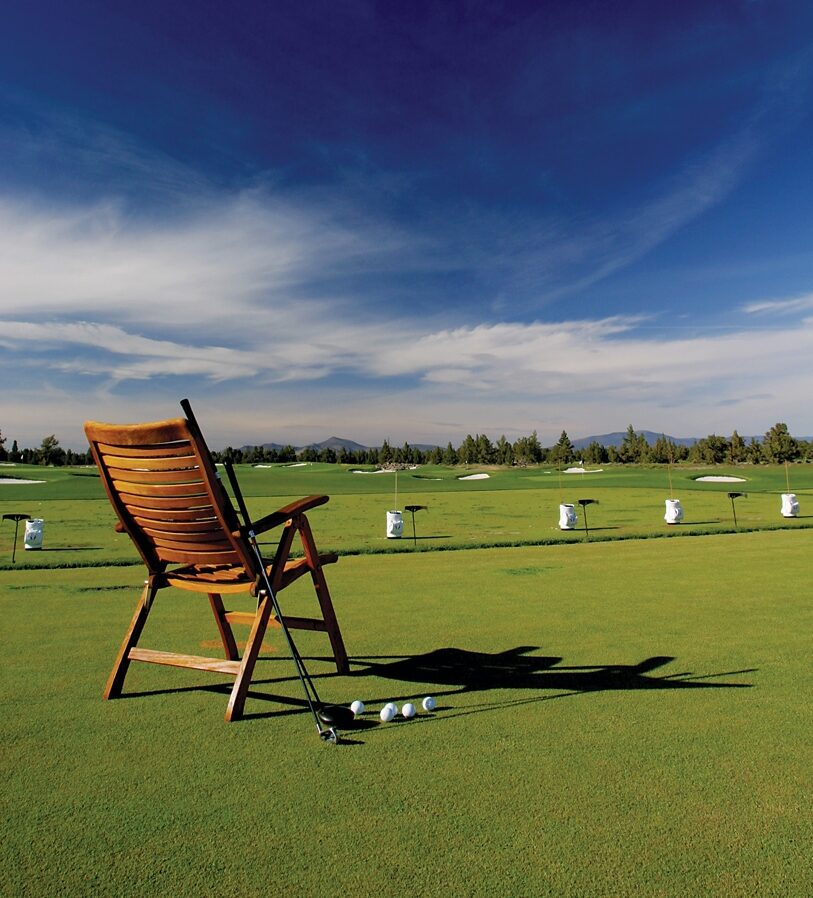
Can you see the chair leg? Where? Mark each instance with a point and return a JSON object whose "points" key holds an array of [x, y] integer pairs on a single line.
{"points": [[323, 595], [223, 626], [115, 681], [237, 700]]}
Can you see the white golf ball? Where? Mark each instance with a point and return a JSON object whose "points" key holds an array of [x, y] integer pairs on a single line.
{"points": [[357, 708], [393, 706], [386, 714], [429, 704], [408, 710]]}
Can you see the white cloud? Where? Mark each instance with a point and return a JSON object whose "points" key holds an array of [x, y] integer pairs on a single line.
{"points": [[780, 306], [109, 314]]}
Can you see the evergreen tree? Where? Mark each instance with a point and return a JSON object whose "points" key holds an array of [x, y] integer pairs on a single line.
{"points": [[634, 447], [467, 451], [753, 452], [736, 448], [778, 446], [450, 456], [595, 454], [527, 450], [486, 453], [562, 453], [711, 450], [661, 451], [504, 452]]}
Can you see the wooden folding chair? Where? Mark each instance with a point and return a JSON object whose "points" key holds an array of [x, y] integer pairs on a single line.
{"points": [[167, 494]]}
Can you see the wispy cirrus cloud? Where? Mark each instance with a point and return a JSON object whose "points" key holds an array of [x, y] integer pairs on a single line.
{"points": [[780, 306]]}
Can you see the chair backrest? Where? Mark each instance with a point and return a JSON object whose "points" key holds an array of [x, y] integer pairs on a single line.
{"points": [[165, 489]]}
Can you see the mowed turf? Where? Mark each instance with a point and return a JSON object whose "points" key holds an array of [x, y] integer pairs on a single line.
{"points": [[514, 506], [626, 718]]}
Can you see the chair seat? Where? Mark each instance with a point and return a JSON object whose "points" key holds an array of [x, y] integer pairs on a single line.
{"points": [[222, 578], [232, 578]]}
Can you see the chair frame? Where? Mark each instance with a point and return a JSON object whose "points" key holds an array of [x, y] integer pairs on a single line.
{"points": [[166, 491]]}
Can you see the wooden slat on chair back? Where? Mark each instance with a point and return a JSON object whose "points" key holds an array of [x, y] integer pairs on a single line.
{"points": [[161, 481]]}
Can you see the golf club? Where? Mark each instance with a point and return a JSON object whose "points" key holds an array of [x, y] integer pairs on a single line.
{"points": [[330, 716]]}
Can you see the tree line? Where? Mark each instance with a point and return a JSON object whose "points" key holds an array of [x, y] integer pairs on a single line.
{"points": [[49, 452], [775, 447]]}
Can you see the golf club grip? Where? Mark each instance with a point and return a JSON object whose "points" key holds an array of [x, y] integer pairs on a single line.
{"points": [[193, 422]]}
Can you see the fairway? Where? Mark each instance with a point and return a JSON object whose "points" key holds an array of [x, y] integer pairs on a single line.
{"points": [[512, 507], [614, 718]]}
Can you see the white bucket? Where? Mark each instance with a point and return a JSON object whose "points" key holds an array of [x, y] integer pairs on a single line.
{"points": [[567, 517], [790, 505], [674, 513], [33, 533], [395, 525]]}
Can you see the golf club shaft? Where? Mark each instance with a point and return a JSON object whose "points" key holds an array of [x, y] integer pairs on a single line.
{"points": [[309, 689]]}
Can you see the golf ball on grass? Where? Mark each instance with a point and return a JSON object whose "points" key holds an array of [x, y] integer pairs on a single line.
{"points": [[429, 704], [387, 713], [357, 708], [408, 710]]}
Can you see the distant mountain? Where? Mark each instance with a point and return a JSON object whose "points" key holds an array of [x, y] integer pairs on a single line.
{"points": [[604, 439], [617, 438], [335, 443]]}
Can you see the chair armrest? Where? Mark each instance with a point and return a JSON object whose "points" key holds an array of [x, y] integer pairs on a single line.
{"points": [[284, 514]]}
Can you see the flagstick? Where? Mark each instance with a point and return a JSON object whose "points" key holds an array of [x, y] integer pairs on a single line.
{"points": [[787, 475]]}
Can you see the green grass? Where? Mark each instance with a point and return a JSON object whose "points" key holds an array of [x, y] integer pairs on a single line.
{"points": [[517, 506], [615, 718]]}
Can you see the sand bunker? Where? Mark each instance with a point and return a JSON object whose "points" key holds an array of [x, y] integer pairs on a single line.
{"points": [[475, 477], [583, 471], [720, 479], [377, 471], [12, 480]]}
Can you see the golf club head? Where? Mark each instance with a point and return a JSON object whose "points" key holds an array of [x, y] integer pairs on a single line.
{"points": [[330, 735], [336, 715]]}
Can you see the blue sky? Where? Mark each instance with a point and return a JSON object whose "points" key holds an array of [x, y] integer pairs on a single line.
{"points": [[408, 221]]}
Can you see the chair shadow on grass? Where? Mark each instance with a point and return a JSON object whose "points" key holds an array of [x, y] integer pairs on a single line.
{"points": [[464, 671]]}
